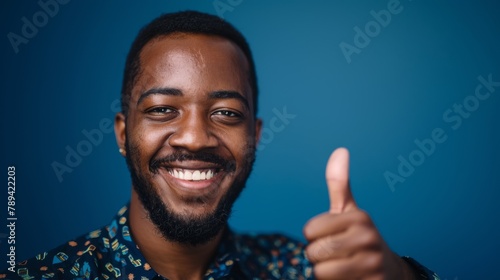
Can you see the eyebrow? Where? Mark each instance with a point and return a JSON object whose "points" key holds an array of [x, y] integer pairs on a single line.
{"points": [[229, 94], [163, 91], [220, 94]]}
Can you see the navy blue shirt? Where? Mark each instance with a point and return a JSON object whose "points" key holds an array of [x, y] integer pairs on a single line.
{"points": [[110, 253]]}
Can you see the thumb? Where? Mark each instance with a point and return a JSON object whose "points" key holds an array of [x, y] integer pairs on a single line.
{"points": [[337, 179]]}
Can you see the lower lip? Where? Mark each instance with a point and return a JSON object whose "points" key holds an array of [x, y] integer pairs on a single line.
{"points": [[192, 185]]}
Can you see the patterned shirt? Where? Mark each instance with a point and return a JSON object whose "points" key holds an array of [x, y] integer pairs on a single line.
{"points": [[110, 253]]}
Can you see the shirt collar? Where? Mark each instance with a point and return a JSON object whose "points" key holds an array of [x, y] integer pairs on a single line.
{"points": [[225, 263]]}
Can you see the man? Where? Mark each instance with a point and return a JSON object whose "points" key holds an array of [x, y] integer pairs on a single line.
{"points": [[188, 131]]}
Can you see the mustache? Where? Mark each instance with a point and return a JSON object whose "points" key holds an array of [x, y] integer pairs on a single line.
{"points": [[224, 164]]}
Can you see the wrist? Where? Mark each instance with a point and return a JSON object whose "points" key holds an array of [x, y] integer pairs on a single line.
{"points": [[418, 271], [402, 270], [408, 272]]}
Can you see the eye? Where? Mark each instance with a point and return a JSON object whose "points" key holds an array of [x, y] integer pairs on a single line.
{"points": [[160, 111], [227, 113], [228, 117]]}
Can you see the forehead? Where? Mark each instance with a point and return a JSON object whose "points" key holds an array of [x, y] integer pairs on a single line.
{"points": [[207, 62]]}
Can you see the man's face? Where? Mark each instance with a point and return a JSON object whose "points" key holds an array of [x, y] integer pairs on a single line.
{"points": [[190, 133]]}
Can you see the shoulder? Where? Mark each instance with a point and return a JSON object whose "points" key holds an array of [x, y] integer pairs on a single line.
{"points": [[75, 258], [90, 256], [278, 255]]}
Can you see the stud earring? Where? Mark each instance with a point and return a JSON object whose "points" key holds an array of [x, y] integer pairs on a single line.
{"points": [[122, 151]]}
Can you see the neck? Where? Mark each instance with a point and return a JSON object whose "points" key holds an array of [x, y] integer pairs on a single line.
{"points": [[169, 259]]}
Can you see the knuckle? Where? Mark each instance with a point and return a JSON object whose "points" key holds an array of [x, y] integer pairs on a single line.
{"points": [[363, 217], [374, 262], [320, 273], [310, 229], [310, 253], [371, 237], [322, 249], [367, 238], [315, 252], [313, 227], [331, 243]]}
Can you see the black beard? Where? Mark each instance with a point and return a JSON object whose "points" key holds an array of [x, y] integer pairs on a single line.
{"points": [[192, 230]]}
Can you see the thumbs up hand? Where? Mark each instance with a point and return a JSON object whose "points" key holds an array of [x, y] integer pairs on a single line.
{"points": [[344, 242]]}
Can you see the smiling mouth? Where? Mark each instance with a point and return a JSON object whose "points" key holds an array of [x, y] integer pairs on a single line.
{"points": [[192, 174]]}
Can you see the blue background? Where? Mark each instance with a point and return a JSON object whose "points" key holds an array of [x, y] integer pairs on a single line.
{"points": [[395, 90]]}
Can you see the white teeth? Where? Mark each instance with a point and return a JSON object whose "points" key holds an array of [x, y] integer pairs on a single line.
{"points": [[193, 175], [188, 175]]}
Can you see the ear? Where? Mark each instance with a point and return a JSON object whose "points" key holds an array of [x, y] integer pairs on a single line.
{"points": [[120, 134], [258, 129]]}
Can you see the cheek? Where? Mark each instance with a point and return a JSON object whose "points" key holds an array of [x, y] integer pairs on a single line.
{"points": [[150, 137], [243, 147], [148, 140]]}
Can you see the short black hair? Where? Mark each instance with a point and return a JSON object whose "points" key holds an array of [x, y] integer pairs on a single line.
{"points": [[183, 22]]}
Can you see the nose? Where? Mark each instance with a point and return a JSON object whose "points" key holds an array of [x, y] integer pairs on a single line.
{"points": [[193, 133]]}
